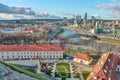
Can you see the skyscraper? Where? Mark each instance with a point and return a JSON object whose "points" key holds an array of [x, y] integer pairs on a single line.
{"points": [[78, 19], [65, 21], [93, 20], [85, 18]]}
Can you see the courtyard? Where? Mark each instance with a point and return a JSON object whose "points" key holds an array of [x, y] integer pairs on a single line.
{"points": [[62, 70]]}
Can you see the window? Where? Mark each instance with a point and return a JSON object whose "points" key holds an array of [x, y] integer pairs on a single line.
{"points": [[2, 56], [7, 56]]}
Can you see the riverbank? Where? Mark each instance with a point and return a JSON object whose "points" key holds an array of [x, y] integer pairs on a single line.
{"points": [[102, 40], [110, 41]]}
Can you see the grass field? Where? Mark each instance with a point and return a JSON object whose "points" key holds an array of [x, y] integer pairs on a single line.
{"points": [[62, 70], [26, 72], [108, 40], [85, 74]]}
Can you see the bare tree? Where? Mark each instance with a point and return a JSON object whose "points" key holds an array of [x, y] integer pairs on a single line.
{"points": [[98, 48], [68, 48]]}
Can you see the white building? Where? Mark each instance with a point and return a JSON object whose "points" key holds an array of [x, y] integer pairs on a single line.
{"points": [[82, 58], [29, 52]]}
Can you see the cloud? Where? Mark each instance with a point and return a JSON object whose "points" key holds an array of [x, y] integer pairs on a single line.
{"points": [[113, 0], [13, 12], [4, 16], [113, 8], [65, 14], [16, 10]]}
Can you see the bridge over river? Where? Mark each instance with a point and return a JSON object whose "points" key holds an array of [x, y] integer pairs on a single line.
{"points": [[80, 35]]}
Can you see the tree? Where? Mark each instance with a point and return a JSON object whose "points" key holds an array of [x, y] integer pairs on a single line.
{"points": [[98, 48], [68, 48]]}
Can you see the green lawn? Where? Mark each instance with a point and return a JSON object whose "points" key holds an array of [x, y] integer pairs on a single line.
{"points": [[108, 40], [94, 56], [60, 69], [77, 75], [73, 52], [85, 74], [31, 74]]}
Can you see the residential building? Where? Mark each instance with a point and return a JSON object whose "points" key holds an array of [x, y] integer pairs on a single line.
{"points": [[26, 52], [105, 68], [82, 58]]}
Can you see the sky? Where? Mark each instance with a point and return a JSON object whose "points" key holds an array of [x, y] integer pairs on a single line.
{"points": [[109, 9]]}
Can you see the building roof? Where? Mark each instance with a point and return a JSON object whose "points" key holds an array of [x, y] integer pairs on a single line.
{"points": [[83, 56], [40, 47], [105, 68]]}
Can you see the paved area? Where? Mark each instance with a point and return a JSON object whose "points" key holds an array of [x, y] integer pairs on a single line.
{"points": [[83, 66], [71, 70], [7, 74], [81, 76]]}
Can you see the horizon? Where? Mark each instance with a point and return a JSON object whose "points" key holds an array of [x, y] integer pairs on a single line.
{"points": [[20, 9]]}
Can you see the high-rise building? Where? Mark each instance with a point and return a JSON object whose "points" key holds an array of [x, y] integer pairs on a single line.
{"points": [[93, 20], [65, 20], [85, 18], [78, 19]]}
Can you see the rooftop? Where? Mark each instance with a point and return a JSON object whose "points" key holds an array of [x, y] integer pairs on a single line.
{"points": [[105, 67], [39, 47], [83, 56]]}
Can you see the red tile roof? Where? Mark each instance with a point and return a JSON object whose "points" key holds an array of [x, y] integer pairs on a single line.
{"points": [[40, 47], [118, 61], [83, 56], [105, 67]]}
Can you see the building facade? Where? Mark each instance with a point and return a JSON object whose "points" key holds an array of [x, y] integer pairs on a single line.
{"points": [[82, 58], [26, 52]]}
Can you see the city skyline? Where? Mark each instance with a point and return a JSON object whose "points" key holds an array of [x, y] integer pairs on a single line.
{"points": [[52, 9]]}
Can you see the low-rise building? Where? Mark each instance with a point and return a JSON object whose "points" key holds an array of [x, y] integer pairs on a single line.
{"points": [[26, 52], [82, 58], [105, 68]]}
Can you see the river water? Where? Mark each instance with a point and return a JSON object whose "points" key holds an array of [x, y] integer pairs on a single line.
{"points": [[88, 43]]}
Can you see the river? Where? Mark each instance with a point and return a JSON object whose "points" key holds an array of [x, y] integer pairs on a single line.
{"points": [[89, 43]]}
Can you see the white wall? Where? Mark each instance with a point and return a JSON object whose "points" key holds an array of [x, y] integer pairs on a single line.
{"points": [[30, 55]]}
